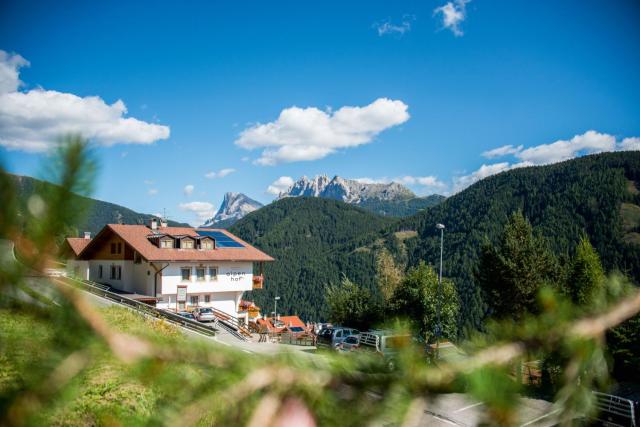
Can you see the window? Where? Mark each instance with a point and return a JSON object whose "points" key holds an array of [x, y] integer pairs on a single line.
{"points": [[100, 271], [206, 244], [193, 299], [207, 298], [166, 244], [113, 248], [200, 274], [116, 272], [186, 274], [119, 247], [187, 244], [213, 273]]}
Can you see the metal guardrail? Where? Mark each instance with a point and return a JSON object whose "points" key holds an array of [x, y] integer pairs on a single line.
{"points": [[231, 324], [615, 410], [104, 292]]}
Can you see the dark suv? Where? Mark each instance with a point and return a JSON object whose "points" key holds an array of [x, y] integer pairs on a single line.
{"points": [[332, 337]]}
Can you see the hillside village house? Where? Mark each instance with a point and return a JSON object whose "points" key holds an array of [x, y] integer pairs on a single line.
{"points": [[170, 267]]}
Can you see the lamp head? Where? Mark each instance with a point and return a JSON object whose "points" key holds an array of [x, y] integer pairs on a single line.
{"points": [[440, 226]]}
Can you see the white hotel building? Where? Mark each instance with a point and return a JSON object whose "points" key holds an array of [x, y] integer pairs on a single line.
{"points": [[157, 263]]}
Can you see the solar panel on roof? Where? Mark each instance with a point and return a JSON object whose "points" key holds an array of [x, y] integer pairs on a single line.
{"points": [[222, 240]]}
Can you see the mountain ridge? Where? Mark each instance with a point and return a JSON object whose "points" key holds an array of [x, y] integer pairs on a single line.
{"points": [[234, 206], [387, 199]]}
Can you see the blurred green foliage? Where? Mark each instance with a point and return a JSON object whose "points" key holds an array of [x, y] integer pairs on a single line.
{"points": [[65, 362]]}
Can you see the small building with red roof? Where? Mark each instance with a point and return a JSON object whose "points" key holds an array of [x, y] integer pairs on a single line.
{"points": [[178, 267]]}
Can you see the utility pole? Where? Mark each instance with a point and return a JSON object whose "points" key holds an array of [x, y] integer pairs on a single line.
{"points": [[439, 292], [275, 308]]}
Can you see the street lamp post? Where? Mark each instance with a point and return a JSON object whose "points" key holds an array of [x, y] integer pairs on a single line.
{"points": [[275, 307], [439, 292]]}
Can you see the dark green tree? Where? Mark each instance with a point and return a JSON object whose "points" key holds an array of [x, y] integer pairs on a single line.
{"points": [[351, 305], [416, 299], [624, 345], [512, 273], [585, 279]]}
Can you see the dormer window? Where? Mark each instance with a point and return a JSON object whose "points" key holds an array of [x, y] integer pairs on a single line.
{"points": [[206, 244], [166, 243], [187, 243]]}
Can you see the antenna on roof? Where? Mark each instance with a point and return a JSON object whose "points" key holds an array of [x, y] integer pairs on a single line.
{"points": [[163, 220]]}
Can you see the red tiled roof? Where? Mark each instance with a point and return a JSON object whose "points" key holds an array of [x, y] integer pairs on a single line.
{"points": [[77, 244], [288, 321], [136, 237], [292, 321]]}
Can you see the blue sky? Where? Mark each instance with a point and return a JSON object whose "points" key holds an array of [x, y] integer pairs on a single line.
{"points": [[211, 87]]}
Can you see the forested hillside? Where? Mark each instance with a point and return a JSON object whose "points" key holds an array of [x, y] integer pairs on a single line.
{"points": [[401, 207], [561, 201], [314, 241], [98, 213]]}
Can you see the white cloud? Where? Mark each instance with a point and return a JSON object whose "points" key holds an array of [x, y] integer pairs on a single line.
{"points": [[430, 181], [280, 185], [148, 182], [219, 174], [505, 150], [629, 144], [188, 189], [386, 27], [33, 120], [367, 180], [453, 14], [203, 210], [10, 65], [589, 142], [152, 191], [301, 134], [462, 182]]}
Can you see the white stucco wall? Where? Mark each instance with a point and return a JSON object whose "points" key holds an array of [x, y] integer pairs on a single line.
{"points": [[125, 283], [78, 269], [232, 276], [224, 291]]}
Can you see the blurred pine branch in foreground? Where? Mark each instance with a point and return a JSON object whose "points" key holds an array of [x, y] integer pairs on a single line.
{"points": [[69, 363]]}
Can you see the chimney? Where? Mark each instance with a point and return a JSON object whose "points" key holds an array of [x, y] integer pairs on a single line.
{"points": [[163, 223], [87, 235], [154, 224]]}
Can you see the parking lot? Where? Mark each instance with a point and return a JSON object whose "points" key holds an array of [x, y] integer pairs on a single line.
{"points": [[460, 410]]}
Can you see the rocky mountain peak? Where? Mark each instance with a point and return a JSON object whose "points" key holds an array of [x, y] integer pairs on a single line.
{"points": [[346, 190], [234, 206]]}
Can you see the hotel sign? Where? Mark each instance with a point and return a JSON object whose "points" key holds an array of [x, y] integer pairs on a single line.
{"points": [[182, 294], [235, 275]]}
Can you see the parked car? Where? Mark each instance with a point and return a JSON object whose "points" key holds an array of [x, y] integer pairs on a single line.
{"points": [[186, 315], [320, 326], [384, 343], [332, 337], [204, 314], [350, 343]]}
